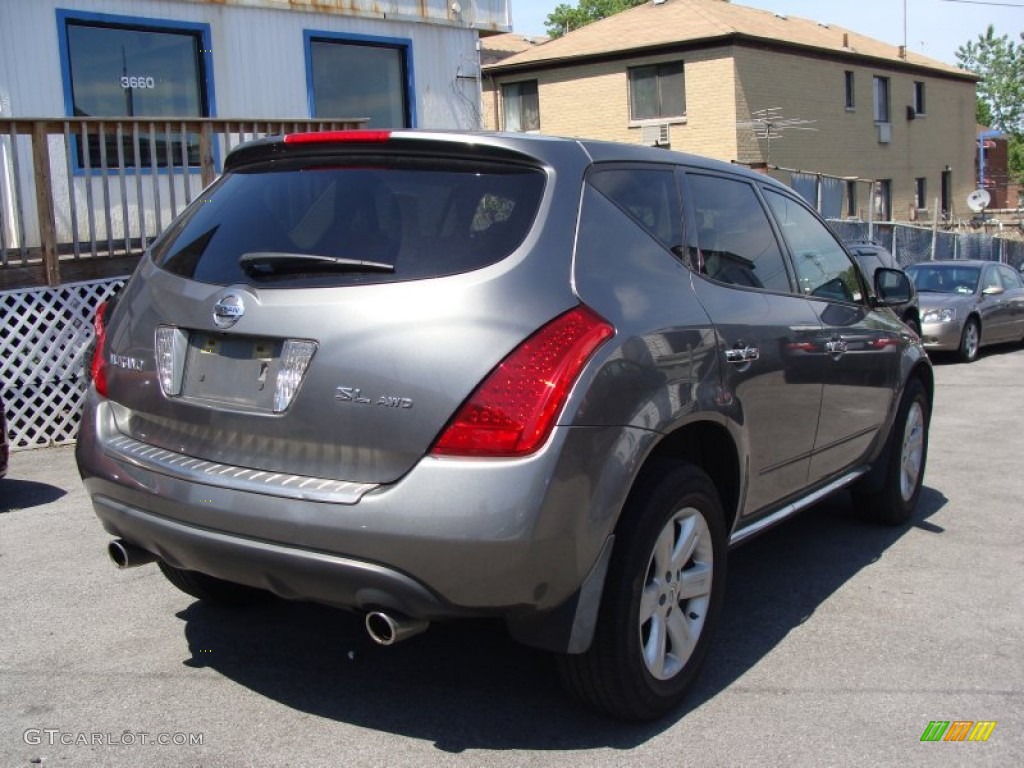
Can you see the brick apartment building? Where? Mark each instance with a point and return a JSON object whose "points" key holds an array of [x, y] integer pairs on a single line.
{"points": [[695, 75]]}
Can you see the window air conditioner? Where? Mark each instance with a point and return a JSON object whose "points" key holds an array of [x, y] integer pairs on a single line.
{"points": [[655, 135], [884, 133]]}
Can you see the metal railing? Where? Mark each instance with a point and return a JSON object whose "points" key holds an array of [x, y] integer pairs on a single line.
{"points": [[78, 191]]}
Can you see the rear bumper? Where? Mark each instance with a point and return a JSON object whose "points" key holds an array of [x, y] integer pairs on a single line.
{"points": [[452, 538], [290, 572]]}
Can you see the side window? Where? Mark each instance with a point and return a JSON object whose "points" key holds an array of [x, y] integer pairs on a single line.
{"points": [[992, 279], [822, 267], [735, 239], [1011, 280], [649, 196]]}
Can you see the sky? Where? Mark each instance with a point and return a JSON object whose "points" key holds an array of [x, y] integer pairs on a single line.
{"points": [[935, 28]]}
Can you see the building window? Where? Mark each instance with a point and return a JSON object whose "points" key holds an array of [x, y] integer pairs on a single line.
{"points": [[116, 66], [919, 104], [882, 100], [851, 199], [883, 200], [921, 193], [850, 103], [521, 106], [657, 91], [351, 77]]}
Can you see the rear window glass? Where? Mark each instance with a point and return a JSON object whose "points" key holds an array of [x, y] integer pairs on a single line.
{"points": [[342, 225]]}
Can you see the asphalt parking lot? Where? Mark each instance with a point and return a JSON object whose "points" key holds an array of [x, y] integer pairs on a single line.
{"points": [[841, 642]]}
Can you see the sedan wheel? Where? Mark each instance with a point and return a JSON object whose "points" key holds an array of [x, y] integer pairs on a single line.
{"points": [[970, 341]]}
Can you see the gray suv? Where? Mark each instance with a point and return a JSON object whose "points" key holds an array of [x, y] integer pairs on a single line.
{"points": [[426, 376]]}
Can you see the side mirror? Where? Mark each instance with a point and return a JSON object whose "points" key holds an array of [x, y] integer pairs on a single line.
{"points": [[993, 290], [892, 287]]}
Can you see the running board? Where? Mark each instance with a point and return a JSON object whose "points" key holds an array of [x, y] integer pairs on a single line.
{"points": [[791, 509]]}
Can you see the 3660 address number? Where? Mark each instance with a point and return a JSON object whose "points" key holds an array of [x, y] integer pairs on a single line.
{"points": [[138, 82]]}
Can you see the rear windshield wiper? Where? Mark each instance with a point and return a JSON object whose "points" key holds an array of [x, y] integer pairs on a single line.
{"points": [[267, 262]]}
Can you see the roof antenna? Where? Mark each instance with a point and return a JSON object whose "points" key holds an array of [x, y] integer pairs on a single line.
{"points": [[768, 124], [903, 50]]}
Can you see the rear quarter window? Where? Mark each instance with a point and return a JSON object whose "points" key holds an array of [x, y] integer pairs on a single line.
{"points": [[421, 218], [649, 196]]}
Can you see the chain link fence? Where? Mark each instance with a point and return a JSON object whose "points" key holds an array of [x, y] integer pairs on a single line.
{"points": [[912, 244]]}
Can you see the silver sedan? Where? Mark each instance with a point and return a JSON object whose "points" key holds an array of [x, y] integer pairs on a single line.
{"points": [[966, 305]]}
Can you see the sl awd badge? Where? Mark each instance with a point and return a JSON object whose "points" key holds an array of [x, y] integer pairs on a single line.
{"points": [[355, 395]]}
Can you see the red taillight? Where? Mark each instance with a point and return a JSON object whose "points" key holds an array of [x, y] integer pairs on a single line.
{"points": [[332, 137], [98, 365], [514, 409]]}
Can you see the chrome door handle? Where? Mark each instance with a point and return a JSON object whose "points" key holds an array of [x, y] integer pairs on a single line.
{"points": [[744, 355]]}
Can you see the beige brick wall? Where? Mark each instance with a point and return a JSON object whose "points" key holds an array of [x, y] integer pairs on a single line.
{"points": [[592, 101], [724, 86], [846, 142]]}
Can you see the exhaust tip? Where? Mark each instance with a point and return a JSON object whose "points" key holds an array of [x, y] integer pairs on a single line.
{"points": [[387, 629], [125, 555]]}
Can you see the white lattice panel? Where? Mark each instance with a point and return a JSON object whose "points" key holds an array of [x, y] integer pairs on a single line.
{"points": [[44, 340]]}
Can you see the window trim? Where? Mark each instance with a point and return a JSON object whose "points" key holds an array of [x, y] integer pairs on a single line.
{"points": [[880, 186], [504, 117], [879, 119], [636, 122], [145, 24], [403, 44], [920, 99]]}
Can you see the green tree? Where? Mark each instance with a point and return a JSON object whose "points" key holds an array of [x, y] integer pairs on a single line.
{"points": [[566, 18], [999, 60]]}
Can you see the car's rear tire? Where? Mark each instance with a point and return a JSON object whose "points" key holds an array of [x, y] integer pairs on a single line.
{"points": [[970, 341], [210, 589], [895, 501], [662, 598]]}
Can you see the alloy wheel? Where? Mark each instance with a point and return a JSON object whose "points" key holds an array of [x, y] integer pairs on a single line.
{"points": [[676, 593]]}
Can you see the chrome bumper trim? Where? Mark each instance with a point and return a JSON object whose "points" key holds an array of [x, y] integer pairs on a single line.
{"points": [[126, 449]]}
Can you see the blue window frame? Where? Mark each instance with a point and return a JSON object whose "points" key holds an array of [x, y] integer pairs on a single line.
{"points": [[350, 76], [127, 66]]}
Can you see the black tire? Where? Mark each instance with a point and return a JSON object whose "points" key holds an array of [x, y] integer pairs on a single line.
{"points": [[906, 458], [614, 676], [970, 341], [212, 590]]}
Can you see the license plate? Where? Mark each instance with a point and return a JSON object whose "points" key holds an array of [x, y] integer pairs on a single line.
{"points": [[236, 370]]}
